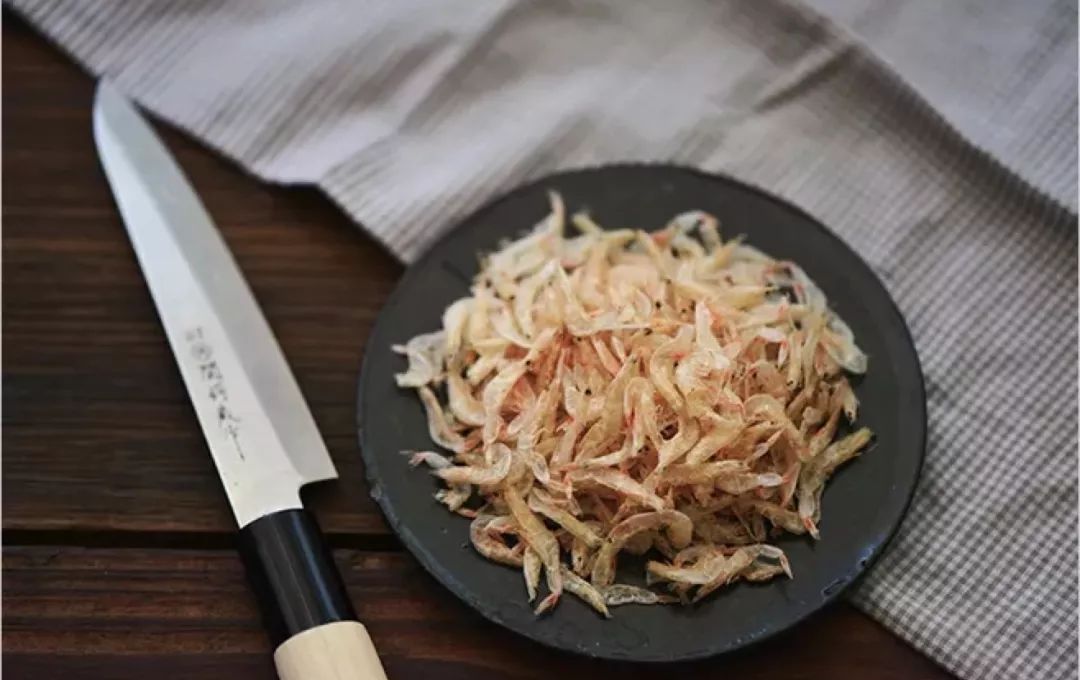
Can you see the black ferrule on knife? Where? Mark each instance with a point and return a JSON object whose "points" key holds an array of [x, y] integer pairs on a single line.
{"points": [[292, 574]]}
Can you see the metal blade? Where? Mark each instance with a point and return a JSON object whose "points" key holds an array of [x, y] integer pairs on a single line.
{"points": [[259, 430]]}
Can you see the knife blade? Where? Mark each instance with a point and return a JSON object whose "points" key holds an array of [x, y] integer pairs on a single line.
{"points": [[260, 433]]}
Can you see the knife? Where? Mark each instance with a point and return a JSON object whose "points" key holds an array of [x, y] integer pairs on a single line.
{"points": [[257, 426]]}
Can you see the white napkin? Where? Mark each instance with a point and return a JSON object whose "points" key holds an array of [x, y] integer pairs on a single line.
{"points": [[937, 138]]}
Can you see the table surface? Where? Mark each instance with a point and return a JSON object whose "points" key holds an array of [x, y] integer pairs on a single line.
{"points": [[119, 556]]}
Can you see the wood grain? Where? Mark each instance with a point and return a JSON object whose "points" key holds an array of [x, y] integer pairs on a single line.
{"points": [[117, 558], [341, 650], [74, 613]]}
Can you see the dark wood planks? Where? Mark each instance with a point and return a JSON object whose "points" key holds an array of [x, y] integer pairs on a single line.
{"points": [[182, 614]]}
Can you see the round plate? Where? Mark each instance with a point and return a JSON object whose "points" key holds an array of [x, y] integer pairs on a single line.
{"points": [[862, 505]]}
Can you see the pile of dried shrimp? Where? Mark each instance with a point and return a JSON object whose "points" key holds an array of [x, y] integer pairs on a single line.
{"points": [[617, 391]]}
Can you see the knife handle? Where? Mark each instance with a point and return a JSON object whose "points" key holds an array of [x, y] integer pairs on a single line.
{"points": [[304, 604]]}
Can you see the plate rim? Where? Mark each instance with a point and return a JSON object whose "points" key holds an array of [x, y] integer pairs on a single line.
{"points": [[444, 576]]}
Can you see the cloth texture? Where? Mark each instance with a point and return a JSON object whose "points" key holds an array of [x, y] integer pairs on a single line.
{"points": [[938, 139]]}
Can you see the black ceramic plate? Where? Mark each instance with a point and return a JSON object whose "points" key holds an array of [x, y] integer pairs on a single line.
{"points": [[862, 505]]}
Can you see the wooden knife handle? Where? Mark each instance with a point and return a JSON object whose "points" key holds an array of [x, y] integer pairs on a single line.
{"points": [[304, 604], [335, 651]]}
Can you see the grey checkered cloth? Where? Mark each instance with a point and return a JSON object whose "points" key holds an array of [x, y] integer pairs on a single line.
{"points": [[938, 138]]}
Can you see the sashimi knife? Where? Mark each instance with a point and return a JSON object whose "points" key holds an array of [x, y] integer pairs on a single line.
{"points": [[259, 431]]}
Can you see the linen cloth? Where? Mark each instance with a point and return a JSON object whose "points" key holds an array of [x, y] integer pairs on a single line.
{"points": [[937, 138]]}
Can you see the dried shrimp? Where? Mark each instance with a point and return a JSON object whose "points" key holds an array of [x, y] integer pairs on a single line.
{"points": [[613, 392]]}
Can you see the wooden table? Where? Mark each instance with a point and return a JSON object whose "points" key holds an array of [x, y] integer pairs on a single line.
{"points": [[118, 543]]}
